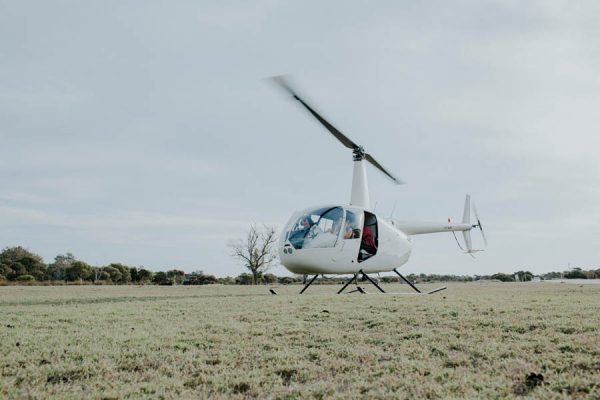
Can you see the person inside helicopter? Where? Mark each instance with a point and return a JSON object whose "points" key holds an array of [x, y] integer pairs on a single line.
{"points": [[351, 229], [317, 228], [368, 244], [325, 232], [302, 228]]}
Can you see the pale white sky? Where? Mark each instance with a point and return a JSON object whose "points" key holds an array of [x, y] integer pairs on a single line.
{"points": [[145, 133]]}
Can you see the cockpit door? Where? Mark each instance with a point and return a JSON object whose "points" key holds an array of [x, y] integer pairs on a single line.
{"points": [[349, 245], [370, 238]]}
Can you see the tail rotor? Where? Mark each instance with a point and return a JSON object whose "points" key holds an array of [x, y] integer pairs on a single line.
{"points": [[466, 231], [479, 225]]}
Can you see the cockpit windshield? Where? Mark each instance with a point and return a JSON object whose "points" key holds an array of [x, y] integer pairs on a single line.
{"points": [[318, 228]]}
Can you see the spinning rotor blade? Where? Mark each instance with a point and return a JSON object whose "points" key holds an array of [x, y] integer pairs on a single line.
{"points": [[281, 81], [479, 225], [374, 162]]}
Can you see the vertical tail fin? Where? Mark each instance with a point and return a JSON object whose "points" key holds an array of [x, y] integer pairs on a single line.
{"points": [[467, 220], [467, 212]]}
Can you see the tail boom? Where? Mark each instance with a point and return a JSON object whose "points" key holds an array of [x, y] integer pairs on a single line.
{"points": [[421, 227]]}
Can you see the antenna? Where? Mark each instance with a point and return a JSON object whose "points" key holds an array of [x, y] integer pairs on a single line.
{"points": [[393, 209]]}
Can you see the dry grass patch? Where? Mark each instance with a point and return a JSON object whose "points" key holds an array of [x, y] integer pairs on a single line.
{"points": [[474, 340]]}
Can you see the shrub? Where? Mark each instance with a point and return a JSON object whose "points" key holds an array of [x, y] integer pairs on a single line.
{"points": [[25, 278], [286, 280], [244, 279], [226, 281]]}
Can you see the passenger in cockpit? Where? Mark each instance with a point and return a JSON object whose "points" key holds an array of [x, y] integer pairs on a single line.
{"points": [[351, 229]]}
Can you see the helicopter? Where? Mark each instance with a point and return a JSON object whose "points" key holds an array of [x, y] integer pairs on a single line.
{"points": [[342, 239]]}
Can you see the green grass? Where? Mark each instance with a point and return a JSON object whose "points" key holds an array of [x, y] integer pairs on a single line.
{"points": [[473, 340]]}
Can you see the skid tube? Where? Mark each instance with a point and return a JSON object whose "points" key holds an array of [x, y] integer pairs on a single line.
{"points": [[367, 277], [416, 288]]}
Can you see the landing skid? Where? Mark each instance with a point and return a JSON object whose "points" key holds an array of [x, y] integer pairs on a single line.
{"points": [[416, 288], [367, 277], [358, 288]]}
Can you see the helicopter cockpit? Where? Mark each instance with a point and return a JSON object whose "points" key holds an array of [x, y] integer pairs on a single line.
{"points": [[323, 227]]}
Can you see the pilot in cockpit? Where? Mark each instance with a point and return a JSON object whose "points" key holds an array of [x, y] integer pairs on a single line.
{"points": [[306, 223]]}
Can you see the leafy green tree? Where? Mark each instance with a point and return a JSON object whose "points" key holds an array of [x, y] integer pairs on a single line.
{"points": [[524, 276], [113, 274], [161, 278], [133, 272], [125, 273], [103, 276], [19, 261], [503, 277], [57, 270], [78, 271], [6, 271], [99, 274], [144, 275], [17, 269], [575, 273], [176, 276]]}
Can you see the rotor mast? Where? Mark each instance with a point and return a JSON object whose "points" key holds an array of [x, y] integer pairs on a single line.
{"points": [[360, 189]]}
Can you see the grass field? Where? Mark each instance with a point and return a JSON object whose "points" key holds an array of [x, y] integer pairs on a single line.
{"points": [[473, 340]]}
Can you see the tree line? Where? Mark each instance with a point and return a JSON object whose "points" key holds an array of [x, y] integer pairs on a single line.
{"points": [[18, 264], [21, 265]]}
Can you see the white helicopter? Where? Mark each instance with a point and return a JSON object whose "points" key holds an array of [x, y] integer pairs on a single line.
{"points": [[337, 239]]}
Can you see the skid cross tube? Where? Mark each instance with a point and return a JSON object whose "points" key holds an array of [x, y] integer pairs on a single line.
{"points": [[347, 283], [309, 283], [406, 280], [359, 289], [372, 281]]}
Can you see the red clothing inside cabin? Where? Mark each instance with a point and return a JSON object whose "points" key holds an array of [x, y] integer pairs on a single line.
{"points": [[368, 242]]}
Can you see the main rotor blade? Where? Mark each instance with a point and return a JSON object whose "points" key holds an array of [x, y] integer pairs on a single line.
{"points": [[370, 159], [281, 81]]}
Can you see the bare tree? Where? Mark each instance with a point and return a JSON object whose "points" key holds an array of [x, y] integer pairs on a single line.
{"points": [[258, 250]]}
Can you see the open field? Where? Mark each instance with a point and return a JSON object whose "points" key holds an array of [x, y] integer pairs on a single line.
{"points": [[473, 340]]}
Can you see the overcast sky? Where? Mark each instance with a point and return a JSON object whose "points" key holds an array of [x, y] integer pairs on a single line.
{"points": [[144, 132]]}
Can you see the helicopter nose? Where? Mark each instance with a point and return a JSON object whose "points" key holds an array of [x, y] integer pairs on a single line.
{"points": [[287, 249]]}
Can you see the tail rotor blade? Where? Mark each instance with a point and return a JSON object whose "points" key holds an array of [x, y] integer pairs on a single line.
{"points": [[479, 225]]}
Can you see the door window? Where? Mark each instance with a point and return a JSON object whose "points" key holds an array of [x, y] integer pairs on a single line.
{"points": [[352, 225]]}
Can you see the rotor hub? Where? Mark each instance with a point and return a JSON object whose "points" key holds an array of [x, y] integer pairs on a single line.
{"points": [[359, 153]]}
